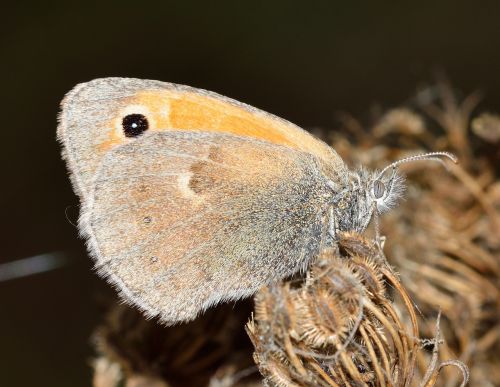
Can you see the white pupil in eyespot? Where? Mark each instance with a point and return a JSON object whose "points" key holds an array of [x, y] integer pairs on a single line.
{"points": [[134, 125]]}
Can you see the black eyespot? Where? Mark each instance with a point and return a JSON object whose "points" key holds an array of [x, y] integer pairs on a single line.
{"points": [[378, 189], [134, 125]]}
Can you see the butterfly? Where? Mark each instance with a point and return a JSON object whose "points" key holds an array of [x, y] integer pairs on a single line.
{"points": [[189, 198]]}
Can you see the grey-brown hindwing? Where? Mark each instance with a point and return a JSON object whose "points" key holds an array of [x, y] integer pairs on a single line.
{"points": [[179, 221]]}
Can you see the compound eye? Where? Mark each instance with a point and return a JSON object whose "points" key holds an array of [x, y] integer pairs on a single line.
{"points": [[378, 189], [134, 125]]}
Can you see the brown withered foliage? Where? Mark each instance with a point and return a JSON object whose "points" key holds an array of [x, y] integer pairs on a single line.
{"points": [[422, 312], [212, 350], [444, 240]]}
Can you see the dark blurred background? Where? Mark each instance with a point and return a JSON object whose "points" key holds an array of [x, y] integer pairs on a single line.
{"points": [[304, 61]]}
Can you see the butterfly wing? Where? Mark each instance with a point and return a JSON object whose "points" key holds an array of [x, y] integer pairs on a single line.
{"points": [[179, 221]]}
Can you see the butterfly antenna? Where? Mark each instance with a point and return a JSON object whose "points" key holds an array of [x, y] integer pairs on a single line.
{"points": [[435, 156]]}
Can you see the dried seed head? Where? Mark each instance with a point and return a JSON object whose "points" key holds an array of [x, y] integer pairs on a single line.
{"points": [[321, 318], [369, 272], [336, 327]]}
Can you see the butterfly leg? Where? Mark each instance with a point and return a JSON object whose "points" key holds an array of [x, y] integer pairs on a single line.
{"points": [[332, 225]]}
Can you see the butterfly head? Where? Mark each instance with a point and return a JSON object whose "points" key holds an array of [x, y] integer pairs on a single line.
{"points": [[371, 193]]}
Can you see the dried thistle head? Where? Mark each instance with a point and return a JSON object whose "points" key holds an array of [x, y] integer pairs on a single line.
{"points": [[336, 327]]}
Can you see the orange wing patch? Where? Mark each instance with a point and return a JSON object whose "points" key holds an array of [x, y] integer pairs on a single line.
{"points": [[191, 110], [198, 112]]}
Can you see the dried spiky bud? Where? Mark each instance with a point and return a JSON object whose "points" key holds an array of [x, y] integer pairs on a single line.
{"points": [[337, 327], [323, 321]]}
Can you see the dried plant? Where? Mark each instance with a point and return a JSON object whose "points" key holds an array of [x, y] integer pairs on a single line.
{"points": [[421, 313], [339, 326], [444, 240], [212, 350]]}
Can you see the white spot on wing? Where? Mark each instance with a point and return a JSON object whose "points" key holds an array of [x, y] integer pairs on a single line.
{"points": [[183, 180]]}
